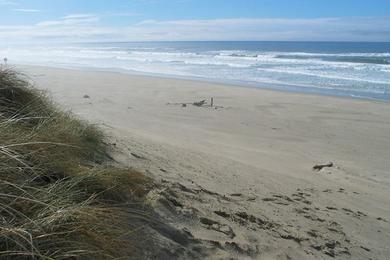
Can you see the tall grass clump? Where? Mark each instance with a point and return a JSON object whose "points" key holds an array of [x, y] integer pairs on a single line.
{"points": [[58, 197]]}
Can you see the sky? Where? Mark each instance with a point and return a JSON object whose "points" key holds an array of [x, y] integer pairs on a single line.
{"points": [[193, 20]]}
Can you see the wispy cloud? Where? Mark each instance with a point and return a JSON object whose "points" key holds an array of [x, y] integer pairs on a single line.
{"points": [[26, 10], [88, 27], [124, 14], [70, 20], [8, 2]]}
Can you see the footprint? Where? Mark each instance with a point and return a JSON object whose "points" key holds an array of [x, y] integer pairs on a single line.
{"points": [[242, 249], [289, 235], [336, 227], [347, 210], [332, 248], [263, 223], [138, 156], [283, 197], [365, 248], [314, 218], [279, 199], [216, 226], [269, 199], [313, 233], [381, 219], [246, 219], [361, 213]]}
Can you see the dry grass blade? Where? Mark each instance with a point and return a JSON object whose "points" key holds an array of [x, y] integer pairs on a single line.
{"points": [[57, 199]]}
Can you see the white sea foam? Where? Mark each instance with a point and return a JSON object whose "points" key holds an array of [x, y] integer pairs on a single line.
{"points": [[364, 72]]}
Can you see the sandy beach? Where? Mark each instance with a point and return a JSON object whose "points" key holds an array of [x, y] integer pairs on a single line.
{"points": [[238, 178]]}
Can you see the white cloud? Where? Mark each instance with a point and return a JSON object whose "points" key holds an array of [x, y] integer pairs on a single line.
{"points": [[124, 14], [87, 27], [8, 2], [27, 10], [69, 20], [78, 16]]}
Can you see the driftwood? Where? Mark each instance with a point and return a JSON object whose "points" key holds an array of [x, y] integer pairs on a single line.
{"points": [[319, 167], [200, 103]]}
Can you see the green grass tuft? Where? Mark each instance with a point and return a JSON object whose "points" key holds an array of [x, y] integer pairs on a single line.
{"points": [[58, 200]]}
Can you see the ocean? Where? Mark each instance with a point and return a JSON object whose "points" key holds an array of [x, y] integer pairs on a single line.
{"points": [[360, 70]]}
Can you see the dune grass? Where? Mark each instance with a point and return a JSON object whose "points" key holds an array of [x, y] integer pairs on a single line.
{"points": [[58, 197]]}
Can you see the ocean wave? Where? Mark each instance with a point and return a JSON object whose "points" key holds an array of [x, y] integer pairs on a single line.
{"points": [[366, 59], [364, 72], [363, 58], [318, 74], [216, 63]]}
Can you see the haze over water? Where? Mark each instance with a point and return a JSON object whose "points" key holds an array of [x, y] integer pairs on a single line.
{"points": [[345, 69]]}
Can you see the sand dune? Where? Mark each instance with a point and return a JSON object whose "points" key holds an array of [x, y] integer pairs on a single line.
{"points": [[238, 180]]}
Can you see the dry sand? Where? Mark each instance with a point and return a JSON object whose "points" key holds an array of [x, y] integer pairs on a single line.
{"points": [[238, 181]]}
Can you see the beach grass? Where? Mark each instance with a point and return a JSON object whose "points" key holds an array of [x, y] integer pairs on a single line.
{"points": [[59, 198]]}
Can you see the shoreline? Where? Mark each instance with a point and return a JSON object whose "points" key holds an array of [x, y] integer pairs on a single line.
{"points": [[316, 91], [241, 177]]}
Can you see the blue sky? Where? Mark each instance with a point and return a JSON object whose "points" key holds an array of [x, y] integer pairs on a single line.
{"points": [[97, 20]]}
